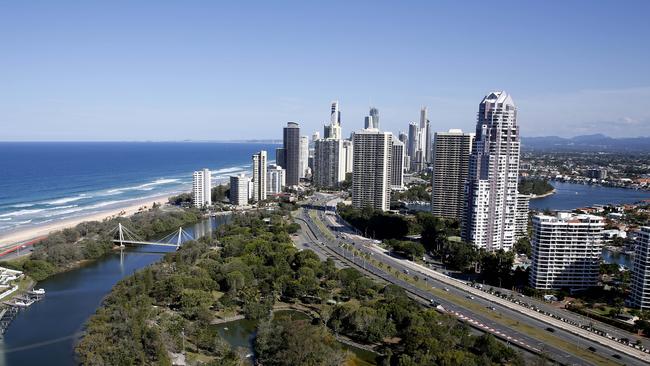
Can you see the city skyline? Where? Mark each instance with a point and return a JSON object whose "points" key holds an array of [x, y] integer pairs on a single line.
{"points": [[133, 72]]}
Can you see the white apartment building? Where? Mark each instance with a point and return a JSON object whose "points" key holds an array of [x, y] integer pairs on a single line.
{"points": [[397, 168], [202, 188], [566, 251], [239, 185], [348, 157], [259, 176], [491, 192], [304, 156], [640, 281], [521, 218], [371, 174], [276, 179]]}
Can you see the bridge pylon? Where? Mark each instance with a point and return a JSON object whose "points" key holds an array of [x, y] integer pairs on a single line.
{"points": [[121, 234]]}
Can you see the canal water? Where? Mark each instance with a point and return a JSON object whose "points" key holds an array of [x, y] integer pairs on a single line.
{"points": [[45, 333], [569, 196], [619, 258]]}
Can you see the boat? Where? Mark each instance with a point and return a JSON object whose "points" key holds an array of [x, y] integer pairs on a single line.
{"points": [[39, 291], [23, 304]]}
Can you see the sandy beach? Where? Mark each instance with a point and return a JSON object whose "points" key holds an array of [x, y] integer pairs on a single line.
{"points": [[21, 235]]}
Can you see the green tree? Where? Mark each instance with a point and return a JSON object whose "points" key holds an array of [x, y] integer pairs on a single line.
{"points": [[284, 342], [522, 246]]}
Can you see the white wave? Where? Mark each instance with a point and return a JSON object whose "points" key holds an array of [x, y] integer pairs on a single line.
{"points": [[71, 209], [112, 192], [22, 205], [61, 201], [227, 170], [144, 186], [107, 203], [60, 207], [33, 211], [22, 212], [6, 219], [23, 222]]}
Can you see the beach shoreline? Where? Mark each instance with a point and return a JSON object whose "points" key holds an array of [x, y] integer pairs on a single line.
{"points": [[18, 236]]}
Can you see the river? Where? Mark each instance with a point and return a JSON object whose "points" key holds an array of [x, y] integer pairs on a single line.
{"points": [[569, 196], [45, 333]]}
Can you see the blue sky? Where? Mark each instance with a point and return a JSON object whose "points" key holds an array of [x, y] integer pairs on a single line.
{"points": [[176, 70]]}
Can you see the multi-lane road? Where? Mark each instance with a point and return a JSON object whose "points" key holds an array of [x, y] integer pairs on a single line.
{"points": [[329, 236]]}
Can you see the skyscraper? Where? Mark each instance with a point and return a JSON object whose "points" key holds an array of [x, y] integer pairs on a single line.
{"points": [[333, 130], [374, 113], [397, 165], [335, 114], [259, 176], [640, 283], [451, 151], [239, 190], [491, 204], [368, 123], [280, 155], [348, 157], [404, 138], [202, 188], [414, 133], [291, 146], [371, 175], [566, 251], [304, 156], [275, 179], [329, 164], [425, 131]]}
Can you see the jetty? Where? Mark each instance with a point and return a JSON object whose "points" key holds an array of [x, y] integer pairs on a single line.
{"points": [[10, 308]]}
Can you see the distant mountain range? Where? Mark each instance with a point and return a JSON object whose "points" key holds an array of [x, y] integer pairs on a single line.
{"points": [[597, 142]]}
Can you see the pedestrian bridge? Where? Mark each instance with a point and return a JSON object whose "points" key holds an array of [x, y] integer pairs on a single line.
{"points": [[122, 236]]}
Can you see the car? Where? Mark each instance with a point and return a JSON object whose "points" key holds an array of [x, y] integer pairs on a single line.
{"points": [[447, 289], [491, 308], [470, 297], [592, 349], [616, 356], [549, 329]]}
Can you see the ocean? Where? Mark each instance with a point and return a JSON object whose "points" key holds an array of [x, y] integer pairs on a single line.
{"points": [[41, 182]]}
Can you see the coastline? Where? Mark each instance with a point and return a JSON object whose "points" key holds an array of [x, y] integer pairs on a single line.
{"points": [[19, 236]]}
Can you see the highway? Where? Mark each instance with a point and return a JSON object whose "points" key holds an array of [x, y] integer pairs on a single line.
{"points": [[568, 347]]}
